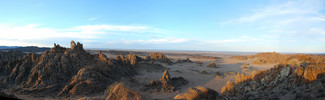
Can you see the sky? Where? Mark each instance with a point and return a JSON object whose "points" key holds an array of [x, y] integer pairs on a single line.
{"points": [[296, 26]]}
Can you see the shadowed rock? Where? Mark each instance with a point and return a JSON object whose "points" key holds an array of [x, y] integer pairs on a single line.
{"points": [[165, 84], [4, 96], [187, 60]]}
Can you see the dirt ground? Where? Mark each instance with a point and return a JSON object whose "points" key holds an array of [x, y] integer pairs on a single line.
{"points": [[191, 71]]}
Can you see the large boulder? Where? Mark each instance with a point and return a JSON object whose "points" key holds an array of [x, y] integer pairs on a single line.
{"points": [[199, 93], [118, 91]]}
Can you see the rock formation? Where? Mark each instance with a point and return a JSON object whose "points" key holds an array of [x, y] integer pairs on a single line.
{"points": [[263, 58], [165, 84], [199, 93], [76, 47], [212, 65], [10, 55], [64, 71], [187, 60], [131, 59], [118, 91], [159, 58], [301, 76]]}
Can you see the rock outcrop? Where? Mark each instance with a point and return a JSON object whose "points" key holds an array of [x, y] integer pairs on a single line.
{"points": [[212, 65], [11, 55], [65, 71], [165, 84], [199, 93], [187, 60], [301, 76], [158, 57], [118, 91], [263, 58], [129, 60]]}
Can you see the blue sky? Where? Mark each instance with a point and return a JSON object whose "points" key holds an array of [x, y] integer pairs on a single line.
{"points": [[211, 25]]}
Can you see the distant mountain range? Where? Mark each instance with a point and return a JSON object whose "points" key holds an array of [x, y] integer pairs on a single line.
{"points": [[8, 47], [25, 49]]}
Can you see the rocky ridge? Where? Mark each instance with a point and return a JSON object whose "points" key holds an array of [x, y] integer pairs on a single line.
{"points": [[158, 57], [199, 93], [299, 76], [118, 91], [65, 71]]}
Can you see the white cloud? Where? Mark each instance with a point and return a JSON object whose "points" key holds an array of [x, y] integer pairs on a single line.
{"points": [[21, 43], [182, 40], [151, 41], [289, 9], [19, 35], [32, 31], [241, 39], [102, 28], [290, 19], [317, 31]]}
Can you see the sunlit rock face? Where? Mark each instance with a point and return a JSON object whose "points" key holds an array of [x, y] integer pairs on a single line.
{"points": [[158, 57], [65, 71], [299, 76], [118, 91], [199, 93]]}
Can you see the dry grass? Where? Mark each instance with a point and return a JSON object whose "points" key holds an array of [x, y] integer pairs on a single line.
{"points": [[228, 87], [303, 68], [218, 77]]}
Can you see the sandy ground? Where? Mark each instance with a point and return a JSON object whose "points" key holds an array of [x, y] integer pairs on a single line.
{"points": [[189, 71]]}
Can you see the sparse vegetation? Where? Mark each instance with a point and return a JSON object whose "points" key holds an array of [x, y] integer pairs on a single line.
{"points": [[218, 77], [295, 72], [245, 65], [228, 87]]}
